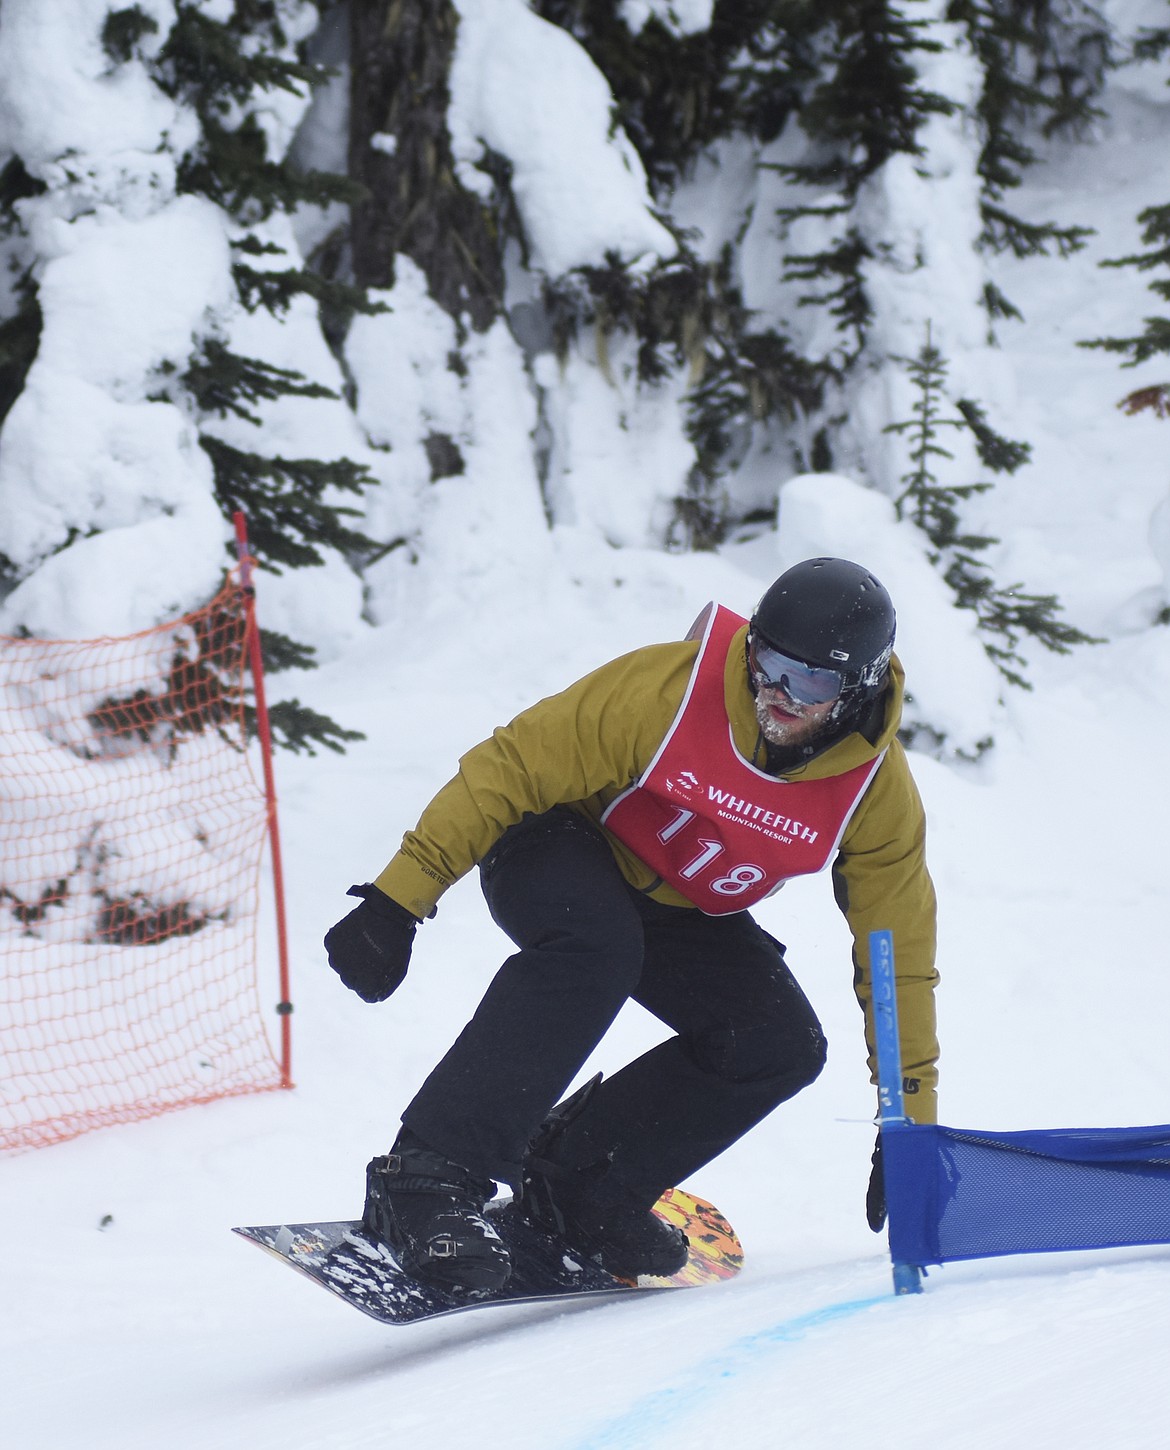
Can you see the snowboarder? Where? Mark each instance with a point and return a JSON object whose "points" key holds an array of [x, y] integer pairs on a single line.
{"points": [[622, 828]]}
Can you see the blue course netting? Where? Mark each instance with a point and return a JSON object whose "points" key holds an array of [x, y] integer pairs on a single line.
{"points": [[961, 1194]]}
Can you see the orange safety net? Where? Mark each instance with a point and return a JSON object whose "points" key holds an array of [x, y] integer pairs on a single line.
{"points": [[132, 832]]}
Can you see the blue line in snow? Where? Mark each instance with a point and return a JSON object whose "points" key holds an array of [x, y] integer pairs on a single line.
{"points": [[656, 1412]]}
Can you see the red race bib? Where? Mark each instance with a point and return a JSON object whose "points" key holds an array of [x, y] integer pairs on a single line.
{"points": [[720, 831]]}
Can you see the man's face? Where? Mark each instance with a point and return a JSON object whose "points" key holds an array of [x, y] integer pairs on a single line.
{"points": [[784, 721]]}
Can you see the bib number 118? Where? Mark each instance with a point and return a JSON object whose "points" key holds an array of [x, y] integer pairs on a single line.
{"points": [[733, 882]]}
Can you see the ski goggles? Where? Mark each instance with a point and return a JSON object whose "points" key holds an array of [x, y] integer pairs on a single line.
{"points": [[806, 684]]}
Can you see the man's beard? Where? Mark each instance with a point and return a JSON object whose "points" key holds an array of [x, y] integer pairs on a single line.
{"points": [[795, 733]]}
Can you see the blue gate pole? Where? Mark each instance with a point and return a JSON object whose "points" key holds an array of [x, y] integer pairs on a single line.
{"points": [[891, 1106]]}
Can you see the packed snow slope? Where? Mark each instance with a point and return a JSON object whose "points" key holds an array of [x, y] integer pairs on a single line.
{"points": [[131, 1318]]}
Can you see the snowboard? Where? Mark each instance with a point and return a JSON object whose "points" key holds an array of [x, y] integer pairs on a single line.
{"points": [[340, 1257]]}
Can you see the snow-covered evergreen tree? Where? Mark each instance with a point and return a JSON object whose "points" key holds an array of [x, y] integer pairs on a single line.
{"points": [[472, 268], [1151, 44], [163, 322]]}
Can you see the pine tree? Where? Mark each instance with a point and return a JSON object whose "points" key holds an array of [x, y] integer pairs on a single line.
{"points": [[869, 103], [411, 200], [1005, 614], [1044, 63], [846, 71], [865, 105], [688, 314], [747, 377], [219, 67], [932, 505], [1154, 340], [674, 96]]}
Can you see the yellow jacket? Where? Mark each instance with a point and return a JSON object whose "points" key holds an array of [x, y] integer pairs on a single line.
{"points": [[585, 745]]}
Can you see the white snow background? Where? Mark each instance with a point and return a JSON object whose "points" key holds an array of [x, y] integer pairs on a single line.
{"points": [[131, 1318]]}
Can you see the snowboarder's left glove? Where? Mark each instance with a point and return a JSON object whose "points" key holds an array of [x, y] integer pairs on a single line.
{"points": [[875, 1198], [370, 948]]}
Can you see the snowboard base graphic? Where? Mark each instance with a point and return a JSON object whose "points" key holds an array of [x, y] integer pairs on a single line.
{"points": [[341, 1258]]}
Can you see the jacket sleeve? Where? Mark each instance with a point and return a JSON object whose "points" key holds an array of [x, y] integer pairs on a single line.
{"points": [[591, 739], [881, 881]]}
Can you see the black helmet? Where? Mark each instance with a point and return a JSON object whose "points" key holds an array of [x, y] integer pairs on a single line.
{"points": [[832, 614]]}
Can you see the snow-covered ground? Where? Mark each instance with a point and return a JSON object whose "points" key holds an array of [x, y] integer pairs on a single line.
{"points": [[131, 1318]]}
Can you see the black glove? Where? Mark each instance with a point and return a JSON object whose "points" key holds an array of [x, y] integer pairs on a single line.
{"points": [[370, 948], [875, 1198]]}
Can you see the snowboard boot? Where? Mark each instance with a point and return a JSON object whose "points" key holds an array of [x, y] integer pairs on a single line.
{"points": [[586, 1207], [430, 1212]]}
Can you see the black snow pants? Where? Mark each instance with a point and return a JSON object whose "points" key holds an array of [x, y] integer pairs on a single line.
{"points": [[747, 1038]]}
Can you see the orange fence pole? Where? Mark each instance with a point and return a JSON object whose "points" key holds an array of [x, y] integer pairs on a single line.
{"points": [[264, 731]]}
